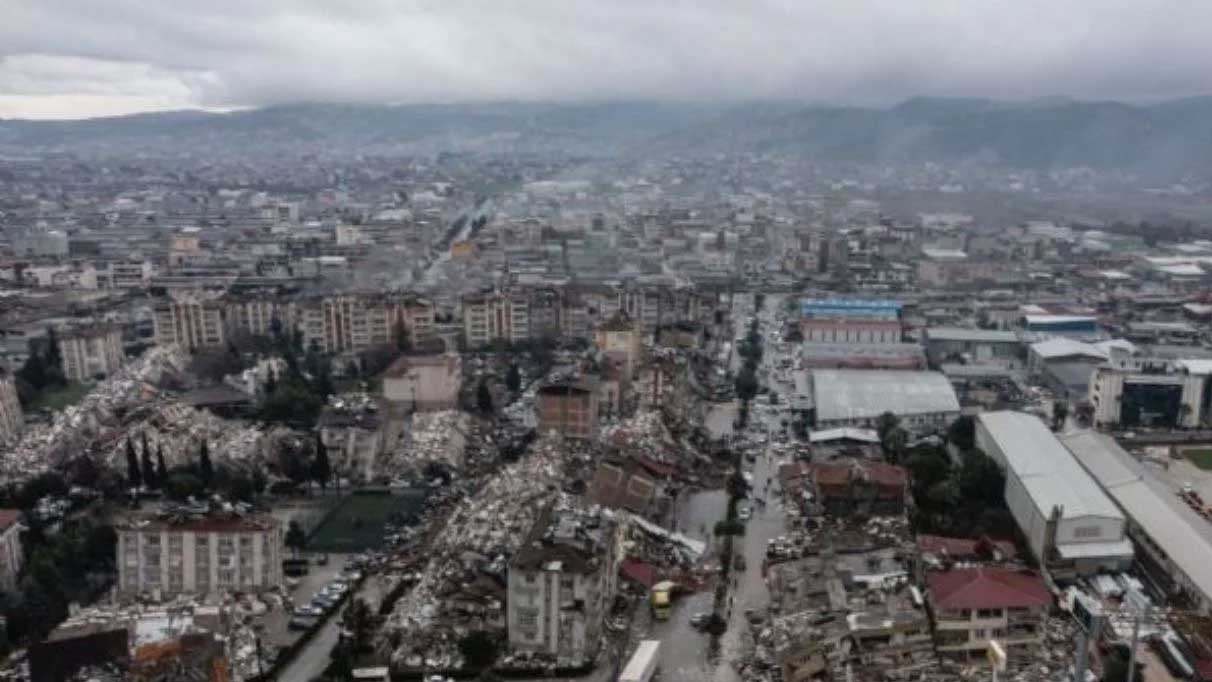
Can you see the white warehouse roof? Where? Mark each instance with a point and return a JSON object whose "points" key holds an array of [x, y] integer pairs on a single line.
{"points": [[1061, 347], [1184, 536], [976, 335], [864, 394], [1047, 470]]}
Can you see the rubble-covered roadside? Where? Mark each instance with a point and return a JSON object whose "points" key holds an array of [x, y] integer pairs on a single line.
{"points": [[98, 418], [471, 552]]}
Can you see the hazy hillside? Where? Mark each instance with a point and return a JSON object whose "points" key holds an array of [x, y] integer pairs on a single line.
{"points": [[1169, 138]]}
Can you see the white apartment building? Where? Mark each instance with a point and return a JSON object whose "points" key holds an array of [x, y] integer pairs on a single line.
{"points": [[495, 317], [560, 587], [252, 315], [199, 555], [11, 417], [91, 351]]}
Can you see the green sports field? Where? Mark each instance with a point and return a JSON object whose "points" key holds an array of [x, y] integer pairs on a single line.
{"points": [[357, 523]]}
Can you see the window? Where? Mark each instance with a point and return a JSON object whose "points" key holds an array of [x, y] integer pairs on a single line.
{"points": [[988, 613], [1087, 532]]}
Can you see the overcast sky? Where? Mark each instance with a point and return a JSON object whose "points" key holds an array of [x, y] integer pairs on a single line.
{"points": [[77, 58]]}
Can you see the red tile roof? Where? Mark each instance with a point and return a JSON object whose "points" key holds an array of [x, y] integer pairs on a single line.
{"points": [[964, 547], [985, 588], [642, 573], [841, 473]]}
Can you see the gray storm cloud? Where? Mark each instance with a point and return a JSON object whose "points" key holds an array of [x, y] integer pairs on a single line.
{"points": [[75, 54]]}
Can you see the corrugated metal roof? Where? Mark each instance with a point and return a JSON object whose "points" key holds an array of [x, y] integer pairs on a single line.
{"points": [[1050, 474], [864, 394], [1153, 505], [965, 334]]}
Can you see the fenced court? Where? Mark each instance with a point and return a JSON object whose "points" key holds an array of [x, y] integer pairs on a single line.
{"points": [[356, 524]]}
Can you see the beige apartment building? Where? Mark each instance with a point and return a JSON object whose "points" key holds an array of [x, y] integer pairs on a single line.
{"points": [[199, 555], [91, 351]]}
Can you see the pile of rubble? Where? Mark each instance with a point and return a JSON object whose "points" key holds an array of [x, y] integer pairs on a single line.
{"points": [[479, 537], [433, 437], [180, 430], [98, 417]]}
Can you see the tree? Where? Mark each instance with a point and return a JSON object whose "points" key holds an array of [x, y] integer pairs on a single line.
{"points": [[296, 538], [161, 469], [181, 485], [206, 470], [321, 468], [513, 380], [403, 340], [746, 383], [149, 467], [359, 621], [271, 382], [134, 475], [479, 649], [884, 424], [962, 433], [484, 398], [54, 359], [894, 445], [1060, 412]]}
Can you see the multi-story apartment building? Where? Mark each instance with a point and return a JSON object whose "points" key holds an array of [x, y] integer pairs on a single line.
{"points": [[12, 557], [191, 320], [11, 417], [561, 584], [91, 351], [495, 316], [971, 606], [569, 407], [131, 273], [619, 337], [419, 316], [199, 554], [253, 315]]}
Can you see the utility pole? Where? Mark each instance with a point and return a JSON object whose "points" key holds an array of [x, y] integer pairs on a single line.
{"points": [[1136, 620]]}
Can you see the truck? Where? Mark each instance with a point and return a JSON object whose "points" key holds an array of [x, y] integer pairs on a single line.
{"points": [[661, 599], [643, 663]]}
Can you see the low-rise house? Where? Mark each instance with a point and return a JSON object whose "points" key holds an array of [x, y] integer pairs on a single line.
{"points": [[424, 382], [858, 487], [971, 606]]}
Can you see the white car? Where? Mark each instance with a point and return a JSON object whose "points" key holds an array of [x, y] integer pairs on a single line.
{"points": [[744, 513]]}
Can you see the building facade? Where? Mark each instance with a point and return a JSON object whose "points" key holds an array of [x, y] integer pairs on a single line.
{"points": [[191, 321], [425, 382], [972, 606], [569, 408], [494, 317], [199, 555], [91, 351], [561, 584]]}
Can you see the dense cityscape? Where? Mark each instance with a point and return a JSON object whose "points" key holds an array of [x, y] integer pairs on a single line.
{"points": [[599, 387]]}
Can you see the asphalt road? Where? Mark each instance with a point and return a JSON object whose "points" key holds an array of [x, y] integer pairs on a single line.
{"points": [[311, 662]]}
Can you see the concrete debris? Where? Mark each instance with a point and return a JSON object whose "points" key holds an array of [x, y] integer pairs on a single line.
{"points": [[470, 555], [98, 417], [433, 437]]}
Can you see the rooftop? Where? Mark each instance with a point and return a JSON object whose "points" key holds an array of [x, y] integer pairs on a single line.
{"points": [[865, 394], [985, 587], [1048, 472], [964, 334]]}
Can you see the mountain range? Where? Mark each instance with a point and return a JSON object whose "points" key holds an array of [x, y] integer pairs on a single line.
{"points": [[1171, 138]]}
